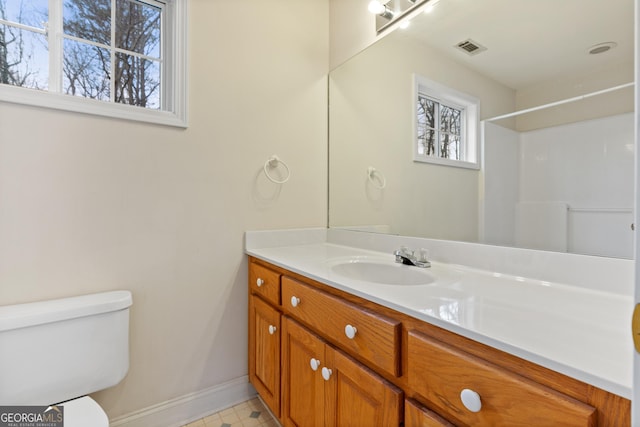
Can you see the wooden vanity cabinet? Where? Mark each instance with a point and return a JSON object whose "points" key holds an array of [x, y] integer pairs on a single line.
{"points": [[264, 352], [265, 334], [393, 368], [324, 387]]}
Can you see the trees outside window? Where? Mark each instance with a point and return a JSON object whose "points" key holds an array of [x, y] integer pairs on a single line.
{"points": [[93, 55], [446, 125], [118, 51], [439, 128], [23, 44]]}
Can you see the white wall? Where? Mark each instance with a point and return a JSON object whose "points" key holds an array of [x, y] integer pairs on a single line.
{"points": [[586, 166], [90, 204], [500, 184]]}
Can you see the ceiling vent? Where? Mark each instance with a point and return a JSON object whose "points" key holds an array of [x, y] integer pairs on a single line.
{"points": [[470, 47], [601, 48]]}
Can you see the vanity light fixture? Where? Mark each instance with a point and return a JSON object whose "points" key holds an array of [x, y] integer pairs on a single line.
{"points": [[379, 8], [430, 6], [376, 7], [395, 13]]}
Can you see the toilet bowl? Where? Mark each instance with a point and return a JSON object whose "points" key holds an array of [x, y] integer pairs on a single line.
{"points": [[84, 412], [62, 350]]}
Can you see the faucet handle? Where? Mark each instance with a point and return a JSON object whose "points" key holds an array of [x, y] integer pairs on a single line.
{"points": [[405, 251], [402, 254], [423, 255]]}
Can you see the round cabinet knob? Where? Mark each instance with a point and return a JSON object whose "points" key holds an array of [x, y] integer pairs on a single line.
{"points": [[295, 301], [272, 329], [350, 331], [326, 373], [259, 282], [315, 364], [471, 400]]}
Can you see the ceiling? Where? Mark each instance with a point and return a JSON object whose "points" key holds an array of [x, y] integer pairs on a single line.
{"points": [[529, 41]]}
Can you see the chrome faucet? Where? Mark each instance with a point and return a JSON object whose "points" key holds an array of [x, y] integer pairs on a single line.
{"points": [[407, 257]]}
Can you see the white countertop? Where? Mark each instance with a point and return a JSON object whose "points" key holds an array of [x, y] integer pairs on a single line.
{"points": [[580, 332]]}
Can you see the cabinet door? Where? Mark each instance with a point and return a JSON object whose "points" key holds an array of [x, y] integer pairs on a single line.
{"points": [[303, 386], [264, 352], [416, 415], [360, 397]]}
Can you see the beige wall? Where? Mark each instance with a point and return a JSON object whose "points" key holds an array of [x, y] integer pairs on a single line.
{"points": [[352, 28], [90, 204], [371, 111]]}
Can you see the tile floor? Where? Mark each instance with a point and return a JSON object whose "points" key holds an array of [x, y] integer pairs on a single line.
{"points": [[251, 413]]}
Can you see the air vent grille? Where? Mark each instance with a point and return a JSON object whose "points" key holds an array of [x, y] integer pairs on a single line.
{"points": [[470, 47]]}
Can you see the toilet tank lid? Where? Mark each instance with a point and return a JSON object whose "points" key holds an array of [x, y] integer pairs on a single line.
{"points": [[36, 313]]}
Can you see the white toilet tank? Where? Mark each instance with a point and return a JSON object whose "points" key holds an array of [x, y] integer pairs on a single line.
{"points": [[56, 350]]}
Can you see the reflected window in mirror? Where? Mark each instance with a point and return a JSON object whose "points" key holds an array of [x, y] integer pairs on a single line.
{"points": [[446, 125], [439, 128]]}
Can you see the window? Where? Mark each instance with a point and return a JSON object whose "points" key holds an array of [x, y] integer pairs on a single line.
{"points": [[446, 125], [120, 58]]}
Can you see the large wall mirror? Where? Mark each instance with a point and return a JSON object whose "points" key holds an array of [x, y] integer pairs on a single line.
{"points": [[554, 82]]}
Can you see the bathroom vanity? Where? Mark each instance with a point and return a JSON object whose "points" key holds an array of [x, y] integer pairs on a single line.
{"points": [[329, 346]]}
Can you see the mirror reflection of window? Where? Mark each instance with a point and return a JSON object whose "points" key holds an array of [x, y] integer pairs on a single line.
{"points": [[446, 125], [439, 129]]}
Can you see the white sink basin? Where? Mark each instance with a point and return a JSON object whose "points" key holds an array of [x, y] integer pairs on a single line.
{"points": [[382, 272]]}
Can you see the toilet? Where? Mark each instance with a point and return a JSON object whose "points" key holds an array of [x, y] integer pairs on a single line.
{"points": [[56, 352]]}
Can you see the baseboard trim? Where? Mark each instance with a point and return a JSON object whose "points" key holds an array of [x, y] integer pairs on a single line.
{"points": [[185, 409]]}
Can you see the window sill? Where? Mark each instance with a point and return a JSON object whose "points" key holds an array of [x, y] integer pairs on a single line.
{"points": [[448, 162], [43, 99]]}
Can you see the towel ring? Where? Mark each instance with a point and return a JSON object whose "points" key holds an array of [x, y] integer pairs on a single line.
{"points": [[272, 163], [376, 177]]}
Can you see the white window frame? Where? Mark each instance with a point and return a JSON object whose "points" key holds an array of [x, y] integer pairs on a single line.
{"points": [[173, 111], [470, 136]]}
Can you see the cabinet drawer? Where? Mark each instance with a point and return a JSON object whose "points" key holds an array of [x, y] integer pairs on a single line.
{"points": [[375, 338], [440, 373], [264, 282]]}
